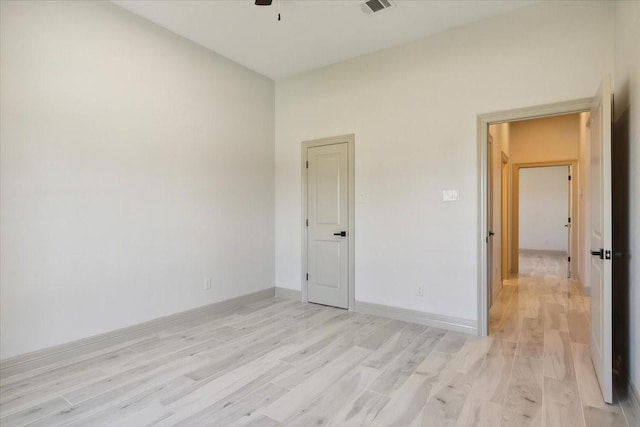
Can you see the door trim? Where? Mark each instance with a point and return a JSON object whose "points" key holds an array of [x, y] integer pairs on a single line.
{"points": [[484, 120], [349, 139]]}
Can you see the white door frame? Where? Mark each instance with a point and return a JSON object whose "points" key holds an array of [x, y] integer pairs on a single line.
{"points": [[484, 120], [350, 141]]}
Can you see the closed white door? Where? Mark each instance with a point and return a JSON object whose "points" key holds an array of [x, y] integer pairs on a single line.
{"points": [[600, 266], [327, 230]]}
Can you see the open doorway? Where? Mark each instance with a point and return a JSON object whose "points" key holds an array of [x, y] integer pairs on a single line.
{"points": [[543, 219], [536, 198], [549, 316]]}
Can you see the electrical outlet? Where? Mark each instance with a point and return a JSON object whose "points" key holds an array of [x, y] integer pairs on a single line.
{"points": [[420, 290], [207, 284]]}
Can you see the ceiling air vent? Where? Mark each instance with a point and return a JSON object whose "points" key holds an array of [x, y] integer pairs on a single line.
{"points": [[373, 6]]}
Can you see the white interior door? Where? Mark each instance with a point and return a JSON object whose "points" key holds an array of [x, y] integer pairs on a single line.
{"points": [[328, 226], [600, 266]]}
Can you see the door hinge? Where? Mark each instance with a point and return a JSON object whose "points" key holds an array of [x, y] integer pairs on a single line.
{"points": [[569, 219], [307, 222], [307, 164], [307, 276], [569, 259], [569, 177]]}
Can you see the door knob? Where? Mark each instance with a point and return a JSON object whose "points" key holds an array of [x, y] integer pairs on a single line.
{"points": [[599, 253], [341, 233], [491, 234]]}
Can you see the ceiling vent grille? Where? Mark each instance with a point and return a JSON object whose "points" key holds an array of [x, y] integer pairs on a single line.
{"points": [[374, 6]]}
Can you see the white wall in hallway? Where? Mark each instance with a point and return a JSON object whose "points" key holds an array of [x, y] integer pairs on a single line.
{"points": [[133, 165], [543, 208], [414, 111]]}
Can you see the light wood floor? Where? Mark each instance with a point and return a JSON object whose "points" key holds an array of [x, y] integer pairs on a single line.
{"points": [[280, 362]]}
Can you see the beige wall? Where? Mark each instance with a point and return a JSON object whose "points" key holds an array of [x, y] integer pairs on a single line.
{"points": [[134, 165], [414, 110], [546, 139]]}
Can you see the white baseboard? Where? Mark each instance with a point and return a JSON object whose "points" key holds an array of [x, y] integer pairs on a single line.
{"points": [[46, 356], [288, 294], [631, 406], [420, 317]]}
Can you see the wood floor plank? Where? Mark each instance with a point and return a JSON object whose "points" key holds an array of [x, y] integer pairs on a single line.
{"points": [[362, 412], [105, 396], [240, 356], [319, 360], [556, 318], [187, 401], [330, 326], [509, 327], [279, 362], [337, 400], [146, 373], [408, 401], [235, 411], [493, 379], [478, 412], [256, 420], [130, 409], [452, 342], [516, 419], [531, 342], [299, 397], [18, 399], [524, 395], [393, 346], [36, 412], [472, 354], [562, 406], [587, 381], [51, 373], [596, 417], [384, 333], [578, 326], [401, 368], [558, 359], [445, 405]]}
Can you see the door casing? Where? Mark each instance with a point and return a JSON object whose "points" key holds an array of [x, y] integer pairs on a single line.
{"points": [[349, 139], [484, 120]]}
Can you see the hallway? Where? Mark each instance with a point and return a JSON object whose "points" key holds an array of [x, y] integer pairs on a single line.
{"points": [[543, 319]]}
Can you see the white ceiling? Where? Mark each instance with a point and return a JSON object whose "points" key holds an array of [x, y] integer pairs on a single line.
{"points": [[312, 33]]}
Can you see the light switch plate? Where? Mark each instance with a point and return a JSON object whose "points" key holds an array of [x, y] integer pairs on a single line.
{"points": [[450, 195]]}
